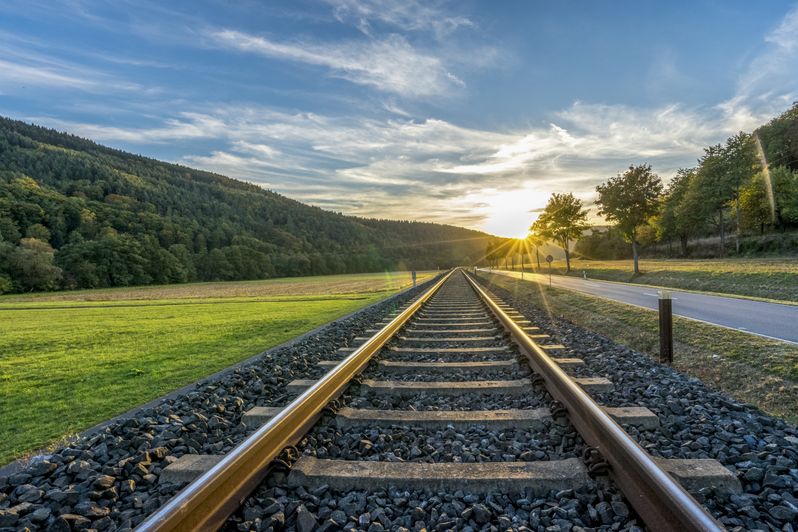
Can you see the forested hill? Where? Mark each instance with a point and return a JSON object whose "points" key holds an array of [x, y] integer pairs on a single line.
{"points": [[75, 214]]}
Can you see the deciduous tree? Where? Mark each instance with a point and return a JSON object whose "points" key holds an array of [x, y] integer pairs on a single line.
{"points": [[562, 221], [535, 240], [676, 219], [629, 200], [32, 261]]}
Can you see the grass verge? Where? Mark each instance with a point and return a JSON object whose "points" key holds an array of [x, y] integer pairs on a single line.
{"points": [[750, 368], [768, 278], [66, 364]]}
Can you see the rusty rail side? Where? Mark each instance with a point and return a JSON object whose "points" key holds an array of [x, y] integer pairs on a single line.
{"points": [[209, 500], [659, 500]]}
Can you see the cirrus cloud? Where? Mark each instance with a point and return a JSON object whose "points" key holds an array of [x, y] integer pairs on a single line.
{"points": [[389, 64]]}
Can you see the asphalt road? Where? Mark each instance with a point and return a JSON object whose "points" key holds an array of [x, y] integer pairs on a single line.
{"points": [[772, 320]]}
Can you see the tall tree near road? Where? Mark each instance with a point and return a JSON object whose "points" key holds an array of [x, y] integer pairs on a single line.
{"points": [[563, 220], [741, 164], [713, 185], [629, 200], [535, 241], [676, 218], [754, 204]]}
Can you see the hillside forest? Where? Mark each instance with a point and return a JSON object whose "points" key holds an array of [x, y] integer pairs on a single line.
{"points": [[75, 214]]}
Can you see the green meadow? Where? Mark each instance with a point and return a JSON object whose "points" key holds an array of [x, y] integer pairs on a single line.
{"points": [[70, 360]]}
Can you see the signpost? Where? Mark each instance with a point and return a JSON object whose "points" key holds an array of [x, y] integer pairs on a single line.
{"points": [[549, 259]]}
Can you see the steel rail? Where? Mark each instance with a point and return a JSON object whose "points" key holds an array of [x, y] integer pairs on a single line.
{"points": [[209, 500], [662, 503]]}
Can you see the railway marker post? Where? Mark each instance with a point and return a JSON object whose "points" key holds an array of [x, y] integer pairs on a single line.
{"points": [[665, 327], [549, 259]]}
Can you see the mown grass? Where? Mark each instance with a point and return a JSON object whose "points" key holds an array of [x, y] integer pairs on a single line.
{"points": [[292, 286], [753, 369], [69, 361], [769, 278]]}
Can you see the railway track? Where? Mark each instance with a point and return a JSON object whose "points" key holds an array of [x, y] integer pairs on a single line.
{"points": [[456, 393]]}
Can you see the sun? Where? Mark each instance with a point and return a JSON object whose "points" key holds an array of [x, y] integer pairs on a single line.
{"points": [[510, 213]]}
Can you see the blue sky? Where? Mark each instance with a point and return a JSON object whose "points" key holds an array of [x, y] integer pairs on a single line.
{"points": [[464, 112]]}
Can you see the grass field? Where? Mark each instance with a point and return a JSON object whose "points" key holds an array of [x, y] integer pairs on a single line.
{"points": [[71, 360], [770, 278], [750, 368]]}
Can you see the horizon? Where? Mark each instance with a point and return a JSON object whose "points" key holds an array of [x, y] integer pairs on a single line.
{"points": [[472, 116]]}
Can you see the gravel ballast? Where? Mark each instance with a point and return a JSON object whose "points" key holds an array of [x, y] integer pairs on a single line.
{"points": [[476, 444], [273, 508], [695, 422]]}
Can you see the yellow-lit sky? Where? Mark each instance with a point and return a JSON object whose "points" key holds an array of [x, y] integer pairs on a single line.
{"points": [[467, 113]]}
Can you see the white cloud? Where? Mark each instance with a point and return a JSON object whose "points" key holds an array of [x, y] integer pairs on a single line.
{"points": [[785, 35], [188, 126], [407, 15], [769, 84], [389, 64], [23, 74], [379, 167], [433, 169]]}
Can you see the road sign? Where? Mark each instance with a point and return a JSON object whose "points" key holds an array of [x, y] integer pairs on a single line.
{"points": [[549, 259]]}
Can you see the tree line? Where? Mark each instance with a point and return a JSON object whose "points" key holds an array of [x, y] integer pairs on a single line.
{"points": [[746, 185], [75, 214]]}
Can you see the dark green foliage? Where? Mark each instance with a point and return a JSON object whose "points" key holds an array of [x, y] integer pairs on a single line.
{"points": [[603, 245], [116, 219], [749, 184], [629, 200], [563, 220], [779, 139]]}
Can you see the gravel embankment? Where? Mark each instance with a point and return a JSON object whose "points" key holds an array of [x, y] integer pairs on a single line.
{"points": [[521, 371], [695, 422], [274, 508], [475, 444], [536, 398], [109, 480], [455, 356]]}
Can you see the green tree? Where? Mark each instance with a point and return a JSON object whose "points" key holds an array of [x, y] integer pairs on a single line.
{"points": [[779, 139], [740, 164], [562, 221], [714, 189], [536, 241], [5, 284], [755, 205], [39, 232], [785, 184], [674, 219], [32, 264], [629, 200]]}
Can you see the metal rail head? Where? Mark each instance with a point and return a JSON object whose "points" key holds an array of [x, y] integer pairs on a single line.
{"points": [[209, 500], [662, 503]]}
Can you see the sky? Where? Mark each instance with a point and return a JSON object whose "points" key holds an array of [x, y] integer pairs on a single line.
{"points": [[464, 112]]}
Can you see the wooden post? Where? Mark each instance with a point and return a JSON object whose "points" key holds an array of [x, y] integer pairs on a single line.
{"points": [[665, 327]]}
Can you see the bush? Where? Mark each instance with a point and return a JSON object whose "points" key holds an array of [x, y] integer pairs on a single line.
{"points": [[607, 245], [5, 284]]}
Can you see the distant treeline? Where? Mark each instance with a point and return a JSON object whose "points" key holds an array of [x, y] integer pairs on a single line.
{"points": [[746, 186], [75, 214]]}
